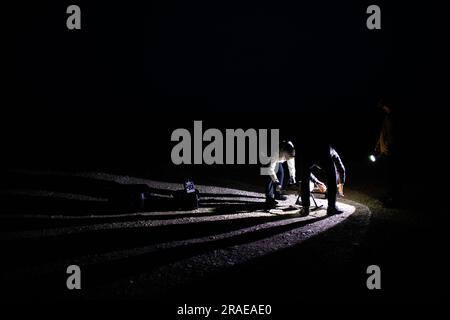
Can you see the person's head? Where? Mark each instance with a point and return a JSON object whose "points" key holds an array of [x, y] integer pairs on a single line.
{"points": [[287, 149], [385, 105]]}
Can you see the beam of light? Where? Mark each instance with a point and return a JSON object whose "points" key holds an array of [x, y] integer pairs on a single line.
{"points": [[372, 158]]}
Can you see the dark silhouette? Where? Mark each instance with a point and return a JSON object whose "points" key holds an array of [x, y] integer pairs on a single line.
{"points": [[318, 154], [387, 149], [318, 151]]}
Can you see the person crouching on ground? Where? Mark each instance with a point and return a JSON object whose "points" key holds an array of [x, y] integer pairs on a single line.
{"points": [[340, 174], [320, 153], [275, 179]]}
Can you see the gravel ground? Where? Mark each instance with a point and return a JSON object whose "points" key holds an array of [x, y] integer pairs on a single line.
{"points": [[160, 253]]}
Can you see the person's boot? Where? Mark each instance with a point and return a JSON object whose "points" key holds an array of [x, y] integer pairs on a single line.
{"points": [[304, 212], [271, 203], [280, 196], [334, 210]]}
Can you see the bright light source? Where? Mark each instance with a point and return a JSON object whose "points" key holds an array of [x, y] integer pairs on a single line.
{"points": [[372, 158]]}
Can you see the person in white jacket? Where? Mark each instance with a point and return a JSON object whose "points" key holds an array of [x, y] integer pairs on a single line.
{"points": [[275, 178]]}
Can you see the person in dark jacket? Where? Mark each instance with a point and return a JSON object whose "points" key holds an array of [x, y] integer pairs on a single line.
{"points": [[340, 174], [328, 159], [317, 150], [387, 149]]}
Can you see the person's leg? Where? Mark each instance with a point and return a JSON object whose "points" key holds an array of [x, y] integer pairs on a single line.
{"points": [[270, 188], [331, 182], [330, 172], [280, 176], [304, 187]]}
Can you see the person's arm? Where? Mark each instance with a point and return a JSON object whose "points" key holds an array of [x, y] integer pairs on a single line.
{"points": [[377, 147], [319, 184], [272, 167], [291, 167], [339, 165], [314, 178], [385, 140]]}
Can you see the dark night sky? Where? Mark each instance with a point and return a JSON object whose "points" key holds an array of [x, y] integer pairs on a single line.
{"points": [[258, 56], [218, 55], [135, 67]]}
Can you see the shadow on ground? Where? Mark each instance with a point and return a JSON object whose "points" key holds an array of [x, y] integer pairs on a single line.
{"points": [[50, 194], [30, 252]]}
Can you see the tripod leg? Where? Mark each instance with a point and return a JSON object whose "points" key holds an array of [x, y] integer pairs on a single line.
{"points": [[314, 200]]}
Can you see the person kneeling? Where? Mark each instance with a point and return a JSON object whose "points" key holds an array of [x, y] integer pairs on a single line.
{"points": [[275, 178]]}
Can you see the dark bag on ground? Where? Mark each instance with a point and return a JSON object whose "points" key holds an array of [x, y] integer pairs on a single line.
{"points": [[188, 198]]}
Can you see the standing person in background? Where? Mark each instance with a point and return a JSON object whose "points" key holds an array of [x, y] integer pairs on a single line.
{"points": [[385, 142], [387, 148]]}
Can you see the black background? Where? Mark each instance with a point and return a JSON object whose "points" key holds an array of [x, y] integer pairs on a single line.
{"points": [[223, 56], [108, 96], [113, 91]]}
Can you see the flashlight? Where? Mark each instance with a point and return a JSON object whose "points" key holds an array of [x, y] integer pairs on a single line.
{"points": [[374, 158]]}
